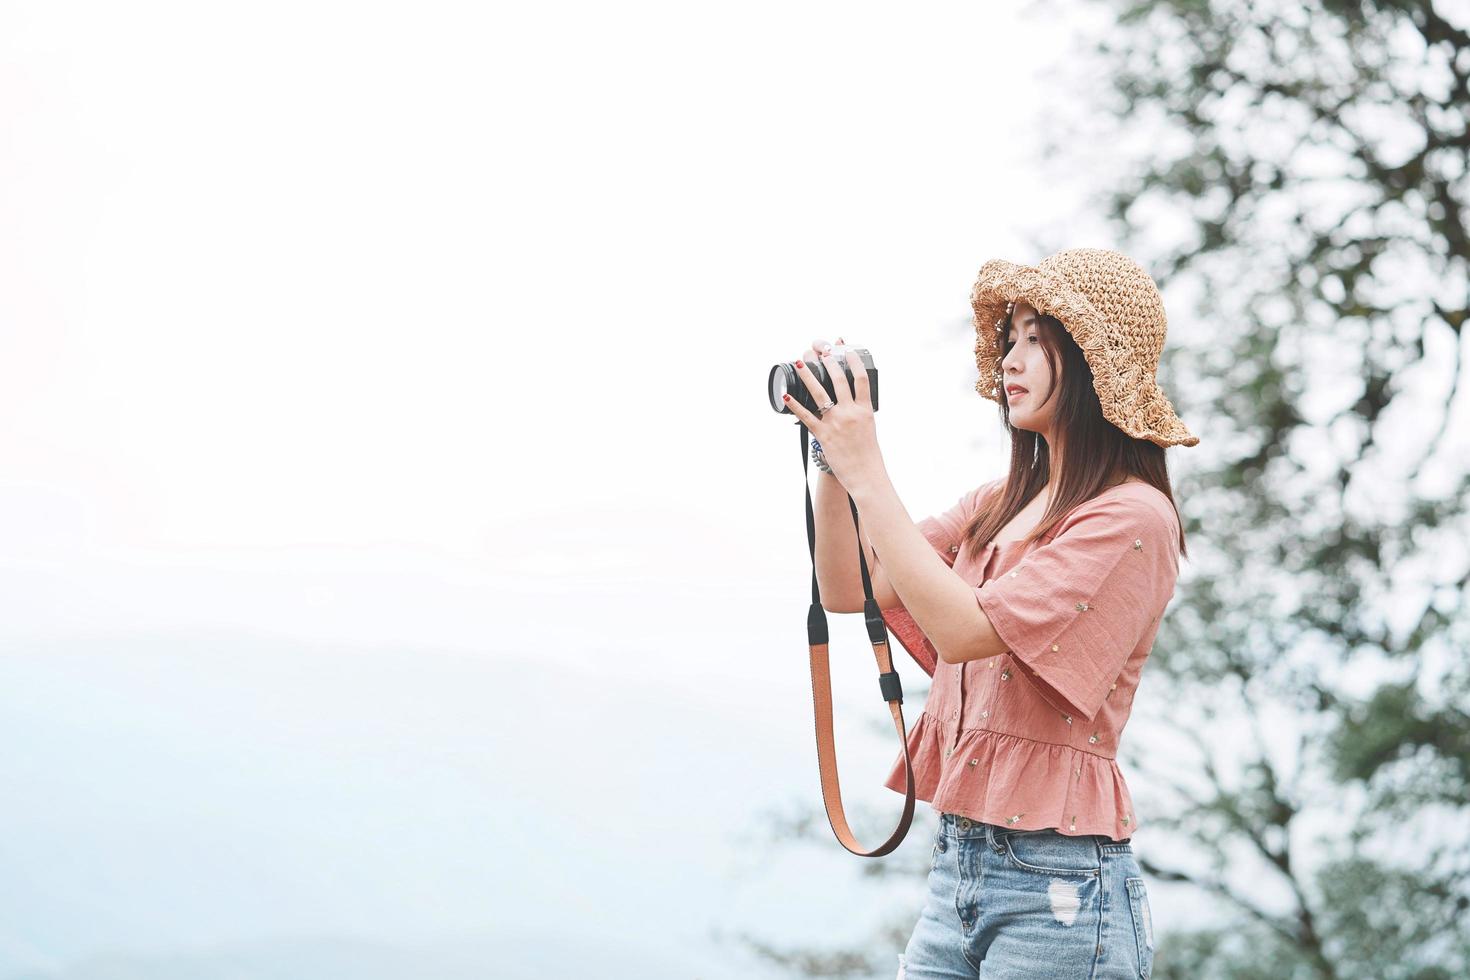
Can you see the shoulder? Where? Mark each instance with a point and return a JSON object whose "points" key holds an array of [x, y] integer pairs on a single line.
{"points": [[989, 487], [976, 498], [1135, 508]]}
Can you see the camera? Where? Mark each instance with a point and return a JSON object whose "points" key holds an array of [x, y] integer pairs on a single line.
{"points": [[785, 380]]}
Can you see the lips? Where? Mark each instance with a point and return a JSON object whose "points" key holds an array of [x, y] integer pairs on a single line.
{"points": [[1015, 391]]}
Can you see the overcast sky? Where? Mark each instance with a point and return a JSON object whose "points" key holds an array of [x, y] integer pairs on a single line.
{"points": [[372, 275], [447, 327]]}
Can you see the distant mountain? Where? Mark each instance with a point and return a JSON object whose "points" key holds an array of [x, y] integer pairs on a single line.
{"points": [[572, 952], [174, 796]]}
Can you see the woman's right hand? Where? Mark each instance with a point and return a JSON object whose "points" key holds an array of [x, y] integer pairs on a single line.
{"points": [[812, 356]]}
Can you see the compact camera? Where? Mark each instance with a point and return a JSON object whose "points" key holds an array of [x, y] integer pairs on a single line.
{"points": [[785, 380]]}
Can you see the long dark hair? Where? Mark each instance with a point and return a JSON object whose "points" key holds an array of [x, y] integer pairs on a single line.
{"points": [[1098, 454]]}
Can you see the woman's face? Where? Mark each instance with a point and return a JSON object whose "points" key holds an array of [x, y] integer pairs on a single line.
{"points": [[1025, 365]]}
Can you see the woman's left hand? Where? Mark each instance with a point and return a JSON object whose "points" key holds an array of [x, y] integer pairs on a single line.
{"points": [[847, 430]]}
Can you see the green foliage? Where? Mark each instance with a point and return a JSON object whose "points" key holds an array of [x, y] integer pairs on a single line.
{"points": [[1324, 172], [1317, 157]]}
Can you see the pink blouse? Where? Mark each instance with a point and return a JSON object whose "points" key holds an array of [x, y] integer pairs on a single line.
{"points": [[1029, 739]]}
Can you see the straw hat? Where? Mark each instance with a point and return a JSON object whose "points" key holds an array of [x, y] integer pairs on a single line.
{"points": [[1112, 309]]}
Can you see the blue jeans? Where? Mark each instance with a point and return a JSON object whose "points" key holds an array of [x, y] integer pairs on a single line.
{"points": [[1033, 904]]}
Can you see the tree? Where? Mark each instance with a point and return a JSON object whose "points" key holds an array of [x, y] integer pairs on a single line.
{"points": [[1317, 157], [1299, 174]]}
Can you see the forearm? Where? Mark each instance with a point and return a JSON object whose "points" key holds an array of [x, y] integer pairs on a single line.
{"points": [[940, 602], [838, 576]]}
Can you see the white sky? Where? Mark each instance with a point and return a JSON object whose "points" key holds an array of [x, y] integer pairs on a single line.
{"points": [[355, 275], [449, 326]]}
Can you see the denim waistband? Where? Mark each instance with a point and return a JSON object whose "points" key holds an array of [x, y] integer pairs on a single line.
{"points": [[959, 825]]}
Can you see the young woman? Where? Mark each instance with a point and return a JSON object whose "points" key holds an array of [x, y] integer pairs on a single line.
{"points": [[1033, 603]]}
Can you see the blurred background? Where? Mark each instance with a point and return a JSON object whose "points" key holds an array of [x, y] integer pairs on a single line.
{"points": [[402, 573]]}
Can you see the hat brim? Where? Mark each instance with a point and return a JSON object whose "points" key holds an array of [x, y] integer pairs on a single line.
{"points": [[1129, 396]]}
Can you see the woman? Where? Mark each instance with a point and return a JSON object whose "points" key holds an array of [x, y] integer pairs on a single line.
{"points": [[1033, 603]]}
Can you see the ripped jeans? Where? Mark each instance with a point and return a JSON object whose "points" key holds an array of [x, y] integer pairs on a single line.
{"points": [[1032, 904]]}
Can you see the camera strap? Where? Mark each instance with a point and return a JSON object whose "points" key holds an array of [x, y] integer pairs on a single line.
{"points": [[888, 683]]}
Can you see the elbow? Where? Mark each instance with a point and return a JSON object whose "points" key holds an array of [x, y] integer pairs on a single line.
{"points": [[974, 638], [836, 602], [951, 655], [976, 643], [975, 650]]}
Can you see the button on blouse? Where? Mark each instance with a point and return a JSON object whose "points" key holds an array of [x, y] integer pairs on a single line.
{"points": [[1029, 738]]}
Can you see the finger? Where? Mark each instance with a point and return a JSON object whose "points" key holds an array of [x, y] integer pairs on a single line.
{"points": [[839, 380], [796, 408], [804, 371], [819, 346], [860, 382]]}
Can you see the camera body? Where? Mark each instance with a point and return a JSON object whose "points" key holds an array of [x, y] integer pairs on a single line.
{"points": [[785, 380]]}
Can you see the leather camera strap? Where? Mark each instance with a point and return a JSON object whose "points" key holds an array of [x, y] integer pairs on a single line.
{"points": [[888, 683]]}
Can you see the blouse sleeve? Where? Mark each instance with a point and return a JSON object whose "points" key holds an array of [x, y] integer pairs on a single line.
{"points": [[943, 532], [1074, 609]]}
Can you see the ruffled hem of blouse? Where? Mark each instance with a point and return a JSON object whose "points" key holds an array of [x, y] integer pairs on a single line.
{"points": [[1017, 775]]}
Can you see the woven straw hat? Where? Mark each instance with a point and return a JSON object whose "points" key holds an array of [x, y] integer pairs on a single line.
{"points": [[1114, 312]]}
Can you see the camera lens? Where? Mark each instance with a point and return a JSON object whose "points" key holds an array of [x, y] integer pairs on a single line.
{"points": [[785, 380], [783, 376]]}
